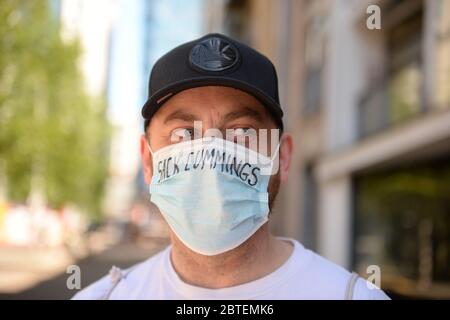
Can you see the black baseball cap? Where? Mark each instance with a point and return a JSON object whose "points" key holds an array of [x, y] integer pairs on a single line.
{"points": [[213, 60]]}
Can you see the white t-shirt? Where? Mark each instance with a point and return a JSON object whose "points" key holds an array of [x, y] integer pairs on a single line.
{"points": [[305, 275]]}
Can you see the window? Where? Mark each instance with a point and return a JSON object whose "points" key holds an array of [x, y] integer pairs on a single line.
{"points": [[314, 60], [396, 95], [404, 69], [402, 224]]}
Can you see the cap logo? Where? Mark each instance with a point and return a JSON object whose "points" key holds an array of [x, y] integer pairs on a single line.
{"points": [[214, 54]]}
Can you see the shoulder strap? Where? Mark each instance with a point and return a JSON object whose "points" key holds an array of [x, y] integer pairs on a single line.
{"points": [[115, 274], [351, 286]]}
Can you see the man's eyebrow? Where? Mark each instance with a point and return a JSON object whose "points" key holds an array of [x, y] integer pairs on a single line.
{"points": [[181, 115], [244, 112]]}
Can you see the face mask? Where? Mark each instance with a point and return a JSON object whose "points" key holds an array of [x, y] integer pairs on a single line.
{"points": [[213, 193]]}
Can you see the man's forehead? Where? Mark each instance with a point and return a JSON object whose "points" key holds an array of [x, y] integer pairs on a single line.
{"points": [[211, 92], [195, 104]]}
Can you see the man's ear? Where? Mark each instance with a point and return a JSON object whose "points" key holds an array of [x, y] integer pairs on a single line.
{"points": [[147, 160], [286, 151]]}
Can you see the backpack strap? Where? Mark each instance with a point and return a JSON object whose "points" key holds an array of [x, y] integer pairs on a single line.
{"points": [[115, 275], [351, 286]]}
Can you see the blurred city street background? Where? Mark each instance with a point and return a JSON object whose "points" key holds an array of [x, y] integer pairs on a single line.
{"points": [[369, 110]]}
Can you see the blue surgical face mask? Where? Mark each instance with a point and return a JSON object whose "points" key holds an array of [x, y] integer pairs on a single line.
{"points": [[213, 193]]}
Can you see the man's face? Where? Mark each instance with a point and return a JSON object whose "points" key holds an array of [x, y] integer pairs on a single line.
{"points": [[218, 109]]}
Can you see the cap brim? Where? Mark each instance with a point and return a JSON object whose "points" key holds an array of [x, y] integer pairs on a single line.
{"points": [[157, 100]]}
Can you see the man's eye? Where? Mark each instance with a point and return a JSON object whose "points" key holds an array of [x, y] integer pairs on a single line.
{"points": [[244, 132], [244, 136], [182, 134]]}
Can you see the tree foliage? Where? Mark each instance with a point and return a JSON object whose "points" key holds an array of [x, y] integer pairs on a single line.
{"points": [[50, 130]]}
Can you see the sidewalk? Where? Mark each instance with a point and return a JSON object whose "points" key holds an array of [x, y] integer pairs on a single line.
{"points": [[92, 268]]}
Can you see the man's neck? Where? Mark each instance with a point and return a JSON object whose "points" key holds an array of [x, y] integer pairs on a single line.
{"points": [[260, 255]]}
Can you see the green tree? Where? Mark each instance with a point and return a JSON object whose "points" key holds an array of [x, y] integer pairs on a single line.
{"points": [[51, 133]]}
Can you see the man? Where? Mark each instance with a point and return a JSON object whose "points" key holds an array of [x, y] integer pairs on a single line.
{"points": [[212, 102]]}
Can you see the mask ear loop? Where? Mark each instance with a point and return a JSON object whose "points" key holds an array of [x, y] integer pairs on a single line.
{"points": [[277, 149], [149, 148], [151, 152], [274, 155]]}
